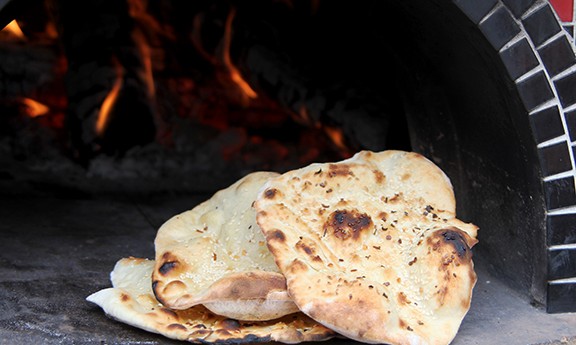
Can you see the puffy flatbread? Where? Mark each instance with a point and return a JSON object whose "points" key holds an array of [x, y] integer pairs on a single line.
{"points": [[131, 301], [371, 247], [216, 255]]}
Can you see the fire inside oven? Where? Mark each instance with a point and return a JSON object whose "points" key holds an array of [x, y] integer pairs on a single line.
{"points": [[136, 97], [208, 89]]}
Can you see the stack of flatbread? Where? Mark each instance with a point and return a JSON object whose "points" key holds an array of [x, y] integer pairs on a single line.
{"points": [[368, 248]]}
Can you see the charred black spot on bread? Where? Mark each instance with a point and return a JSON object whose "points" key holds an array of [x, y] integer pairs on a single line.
{"points": [[167, 267], [277, 235], [155, 291], [345, 224], [176, 326], [249, 338], [306, 248], [270, 193], [455, 238], [230, 324]]}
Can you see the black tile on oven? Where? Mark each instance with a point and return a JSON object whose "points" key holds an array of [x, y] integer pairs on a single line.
{"points": [[519, 58], [571, 123], [561, 229], [541, 25], [518, 7], [499, 28], [561, 264], [555, 159], [535, 90], [474, 9], [557, 56], [561, 298], [560, 193], [566, 90], [546, 124]]}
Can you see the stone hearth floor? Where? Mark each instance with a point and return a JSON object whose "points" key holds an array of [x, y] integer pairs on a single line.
{"points": [[55, 251]]}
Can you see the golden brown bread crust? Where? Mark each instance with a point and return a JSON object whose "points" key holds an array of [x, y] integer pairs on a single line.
{"points": [[372, 238], [131, 301]]}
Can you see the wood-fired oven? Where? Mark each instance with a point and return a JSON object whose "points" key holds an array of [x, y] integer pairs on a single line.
{"points": [[137, 98]]}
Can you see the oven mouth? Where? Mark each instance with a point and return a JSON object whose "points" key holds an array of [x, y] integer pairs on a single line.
{"points": [[154, 102]]}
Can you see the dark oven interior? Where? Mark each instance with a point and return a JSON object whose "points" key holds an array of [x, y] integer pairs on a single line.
{"points": [[156, 105]]}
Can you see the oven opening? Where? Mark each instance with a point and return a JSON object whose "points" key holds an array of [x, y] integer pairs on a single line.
{"points": [[160, 104]]}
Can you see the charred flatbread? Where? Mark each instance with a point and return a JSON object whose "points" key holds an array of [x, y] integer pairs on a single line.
{"points": [[371, 246], [130, 300], [216, 255]]}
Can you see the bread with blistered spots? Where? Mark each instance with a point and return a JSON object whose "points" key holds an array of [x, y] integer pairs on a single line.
{"points": [[130, 300], [371, 246], [216, 255]]}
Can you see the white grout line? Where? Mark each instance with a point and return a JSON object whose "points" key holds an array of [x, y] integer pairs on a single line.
{"points": [[570, 108], [562, 211], [530, 73], [545, 105], [537, 5], [551, 142], [562, 281], [562, 246], [565, 73], [491, 12], [558, 176], [553, 38], [513, 41]]}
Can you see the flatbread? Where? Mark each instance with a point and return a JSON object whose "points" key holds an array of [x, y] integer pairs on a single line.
{"points": [[216, 255], [131, 301], [371, 246]]}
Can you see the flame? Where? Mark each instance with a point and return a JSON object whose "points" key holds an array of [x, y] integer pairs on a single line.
{"points": [[303, 117], [234, 73], [34, 108], [51, 31], [137, 10], [13, 29], [337, 137], [109, 101], [147, 74]]}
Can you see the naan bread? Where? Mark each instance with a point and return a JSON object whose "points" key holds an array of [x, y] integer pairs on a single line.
{"points": [[131, 301], [216, 255], [371, 247]]}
